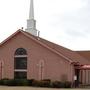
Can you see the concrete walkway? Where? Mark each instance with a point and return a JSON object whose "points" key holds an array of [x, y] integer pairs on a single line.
{"points": [[32, 88]]}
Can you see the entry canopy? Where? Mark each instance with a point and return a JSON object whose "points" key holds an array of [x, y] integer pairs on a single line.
{"points": [[85, 67]]}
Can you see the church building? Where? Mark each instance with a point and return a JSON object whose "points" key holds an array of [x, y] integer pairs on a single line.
{"points": [[25, 55]]}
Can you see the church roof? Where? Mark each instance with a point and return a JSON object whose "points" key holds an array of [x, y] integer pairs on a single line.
{"points": [[85, 54], [69, 55]]}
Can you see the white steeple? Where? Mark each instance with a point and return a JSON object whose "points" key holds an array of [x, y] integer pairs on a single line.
{"points": [[31, 12], [31, 23]]}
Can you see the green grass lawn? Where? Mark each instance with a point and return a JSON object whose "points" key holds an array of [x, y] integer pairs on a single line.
{"points": [[32, 88]]}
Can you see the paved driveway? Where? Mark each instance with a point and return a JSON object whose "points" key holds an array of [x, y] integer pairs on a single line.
{"points": [[31, 88]]}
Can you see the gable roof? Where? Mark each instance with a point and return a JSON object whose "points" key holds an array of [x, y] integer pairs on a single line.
{"points": [[9, 37], [73, 56], [63, 52]]}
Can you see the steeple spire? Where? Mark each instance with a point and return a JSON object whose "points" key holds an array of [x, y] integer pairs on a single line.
{"points": [[31, 23], [31, 13]]}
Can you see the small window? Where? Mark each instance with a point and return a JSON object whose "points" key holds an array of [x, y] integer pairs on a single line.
{"points": [[20, 51], [20, 75]]}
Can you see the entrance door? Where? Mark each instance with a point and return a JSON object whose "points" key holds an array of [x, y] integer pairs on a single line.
{"points": [[82, 72], [77, 73]]}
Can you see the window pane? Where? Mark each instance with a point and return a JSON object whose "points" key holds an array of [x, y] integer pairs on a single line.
{"points": [[20, 75], [20, 51], [20, 63]]}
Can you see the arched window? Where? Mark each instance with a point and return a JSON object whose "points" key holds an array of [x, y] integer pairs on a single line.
{"points": [[20, 51], [20, 63]]}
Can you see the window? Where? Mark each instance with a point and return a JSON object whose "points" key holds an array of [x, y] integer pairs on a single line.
{"points": [[20, 64], [20, 75], [20, 51]]}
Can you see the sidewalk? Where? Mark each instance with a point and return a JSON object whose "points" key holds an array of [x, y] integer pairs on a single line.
{"points": [[33, 88]]}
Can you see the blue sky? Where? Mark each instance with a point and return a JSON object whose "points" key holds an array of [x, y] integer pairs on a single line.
{"points": [[65, 22]]}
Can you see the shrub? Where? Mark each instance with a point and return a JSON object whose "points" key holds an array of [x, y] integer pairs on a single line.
{"points": [[46, 83], [30, 82], [67, 84], [57, 84], [46, 80], [4, 81], [20, 82], [35, 83], [1, 82], [14, 82], [41, 83]]}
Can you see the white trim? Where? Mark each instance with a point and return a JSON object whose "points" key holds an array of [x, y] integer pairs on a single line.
{"points": [[41, 69], [20, 56], [20, 70], [1, 68]]}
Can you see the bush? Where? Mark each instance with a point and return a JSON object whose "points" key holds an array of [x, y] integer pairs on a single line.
{"points": [[30, 82], [41, 83], [20, 82], [57, 84], [14, 82], [46, 83], [36, 83], [1, 82], [46, 80], [4, 81], [67, 84]]}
